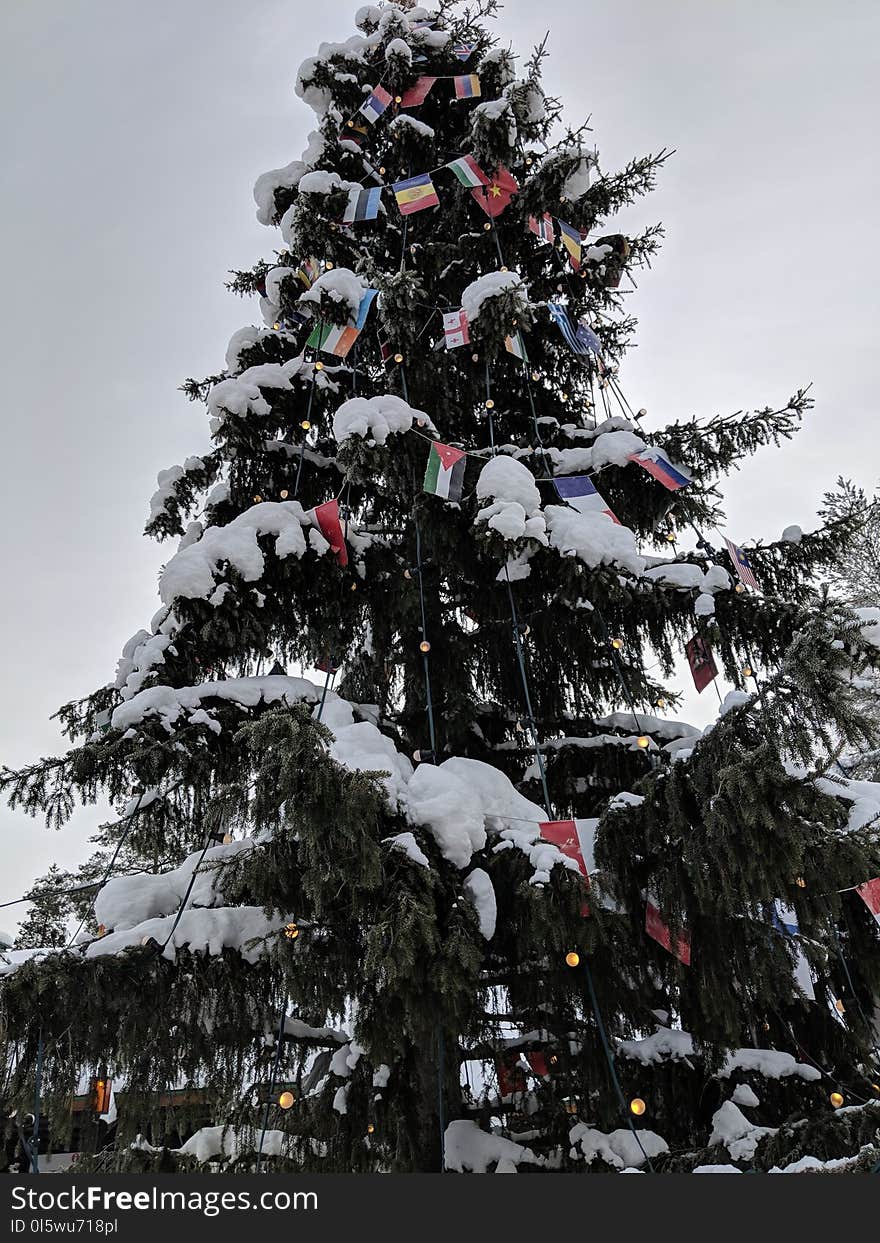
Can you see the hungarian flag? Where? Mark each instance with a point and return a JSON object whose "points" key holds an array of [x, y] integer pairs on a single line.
{"points": [[572, 241], [870, 895], [326, 518], [581, 494], [455, 329], [444, 475], [333, 339], [657, 929], [542, 227], [701, 662], [362, 205], [418, 93], [741, 564], [657, 464], [415, 194], [496, 194], [468, 172], [467, 86], [375, 104]]}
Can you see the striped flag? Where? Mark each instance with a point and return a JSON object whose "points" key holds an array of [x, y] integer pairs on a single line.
{"points": [[326, 518], [308, 272], [356, 132], [415, 194], [870, 895], [444, 475], [576, 341], [658, 930], [418, 92], [375, 104], [542, 227], [581, 494], [515, 345], [464, 50], [658, 465], [741, 564], [572, 241], [468, 172], [362, 205], [455, 329], [784, 919], [333, 339], [467, 86]]}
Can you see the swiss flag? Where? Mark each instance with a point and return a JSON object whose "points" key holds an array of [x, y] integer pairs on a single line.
{"points": [[870, 895], [564, 836], [497, 193], [657, 929]]}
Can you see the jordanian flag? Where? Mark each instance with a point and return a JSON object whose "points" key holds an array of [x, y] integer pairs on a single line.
{"points": [[468, 171], [444, 475]]}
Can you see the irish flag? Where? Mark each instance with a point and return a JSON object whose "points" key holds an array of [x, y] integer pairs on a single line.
{"points": [[333, 339], [468, 171], [444, 475]]}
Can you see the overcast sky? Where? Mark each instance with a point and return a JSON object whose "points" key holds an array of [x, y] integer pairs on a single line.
{"points": [[133, 134]]}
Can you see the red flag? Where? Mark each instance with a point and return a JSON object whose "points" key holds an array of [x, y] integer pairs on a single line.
{"points": [[495, 196], [658, 931], [418, 93], [870, 895], [702, 662], [538, 1063], [511, 1076], [326, 518], [565, 837]]}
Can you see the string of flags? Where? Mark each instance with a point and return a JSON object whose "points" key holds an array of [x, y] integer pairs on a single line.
{"points": [[444, 474], [581, 494], [362, 205], [336, 339]]}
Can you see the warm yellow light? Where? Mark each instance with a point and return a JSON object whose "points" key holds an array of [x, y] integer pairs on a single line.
{"points": [[502, 269], [257, 499], [747, 672], [398, 99], [475, 358], [563, 396], [800, 882], [572, 958], [617, 644], [354, 586], [637, 1106], [836, 1099], [276, 325], [536, 375], [739, 589], [286, 1099], [839, 1006], [319, 366], [490, 404], [571, 1107], [327, 264], [670, 536], [370, 1128], [304, 423], [643, 741], [398, 358], [382, 170], [284, 494], [424, 646], [487, 225], [661, 703], [291, 931]]}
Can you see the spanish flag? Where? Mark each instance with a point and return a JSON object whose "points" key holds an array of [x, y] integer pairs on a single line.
{"points": [[415, 194]]}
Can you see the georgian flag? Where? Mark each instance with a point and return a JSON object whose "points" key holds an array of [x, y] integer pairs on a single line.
{"points": [[455, 329]]}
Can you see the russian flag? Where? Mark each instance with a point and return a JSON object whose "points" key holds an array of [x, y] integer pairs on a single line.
{"points": [[581, 494], [658, 465]]}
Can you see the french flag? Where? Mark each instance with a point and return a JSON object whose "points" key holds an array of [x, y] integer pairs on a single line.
{"points": [[658, 465], [581, 494]]}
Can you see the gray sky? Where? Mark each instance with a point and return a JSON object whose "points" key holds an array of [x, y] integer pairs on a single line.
{"points": [[133, 137]]}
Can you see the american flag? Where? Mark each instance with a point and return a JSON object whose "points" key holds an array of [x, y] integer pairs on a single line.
{"points": [[741, 564]]}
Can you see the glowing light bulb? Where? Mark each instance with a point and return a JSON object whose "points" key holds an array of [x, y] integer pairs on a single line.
{"points": [[284, 494], [800, 882], [536, 375], [305, 424], [276, 325], [407, 573], [637, 1106], [617, 644], [748, 672], [397, 99], [563, 396], [670, 536], [660, 703], [257, 499], [836, 1099], [286, 1100], [354, 587], [487, 225], [424, 646], [839, 1006], [291, 931], [319, 366], [490, 404], [643, 741], [572, 958], [328, 264], [398, 358], [370, 1128], [503, 269], [382, 170]]}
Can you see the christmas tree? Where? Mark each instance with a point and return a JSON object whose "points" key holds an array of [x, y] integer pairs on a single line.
{"points": [[466, 894]]}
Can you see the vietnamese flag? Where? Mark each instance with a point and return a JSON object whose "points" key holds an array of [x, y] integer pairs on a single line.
{"points": [[326, 519], [497, 193], [418, 93]]}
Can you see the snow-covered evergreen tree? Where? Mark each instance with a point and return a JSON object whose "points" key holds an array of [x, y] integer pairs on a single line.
{"points": [[337, 905]]}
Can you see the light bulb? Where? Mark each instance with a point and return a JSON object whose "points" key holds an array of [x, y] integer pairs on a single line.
{"points": [[839, 1006], [284, 494], [617, 644], [305, 424], [563, 396], [660, 703], [490, 404], [563, 199], [291, 931], [536, 375], [286, 1099], [836, 1099], [637, 1106], [800, 882], [529, 161], [424, 646], [407, 573], [397, 99], [328, 264], [382, 170], [643, 741], [398, 358], [670, 536], [276, 325], [572, 958], [475, 358], [370, 1128], [354, 587], [257, 499], [503, 269], [747, 671], [487, 225], [739, 589], [640, 414]]}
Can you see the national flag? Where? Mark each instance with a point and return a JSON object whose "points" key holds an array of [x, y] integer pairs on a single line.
{"points": [[701, 661], [495, 195], [418, 92], [362, 205], [515, 345], [572, 840], [444, 475], [333, 339], [511, 1076], [659, 931], [468, 171], [464, 50], [375, 104], [784, 919], [455, 329], [658, 465], [577, 341], [415, 194], [356, 132], [542, 227], [326, 665], [326, 518], [467, 86], [585, 335], [581, 494], [308, 272], [572, 241], [741, 564], [870, 895], [538, 1063]]}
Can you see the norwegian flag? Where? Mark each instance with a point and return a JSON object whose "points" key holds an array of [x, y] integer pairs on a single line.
{"points": [[542, 227], [741, 564]]}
